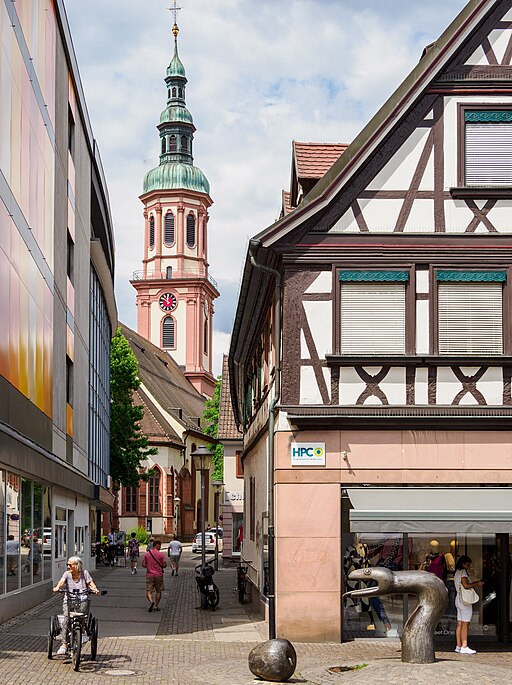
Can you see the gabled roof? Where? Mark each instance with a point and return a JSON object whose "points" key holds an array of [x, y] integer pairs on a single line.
{"points": [[387, 118], [313, 160], [161, 376], [227, 429], [154, 425]]}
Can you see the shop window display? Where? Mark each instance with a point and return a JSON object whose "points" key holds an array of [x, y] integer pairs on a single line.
{"points": [[435, 553]]}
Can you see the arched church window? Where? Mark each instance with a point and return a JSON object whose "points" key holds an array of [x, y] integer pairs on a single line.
{"points": [[174, 92], [184, 145], [154, 491], [152, 232], [168, 272], [191, 230], [164, 145], [180, 92], [169, 228], [168, 332], [173, 146]]}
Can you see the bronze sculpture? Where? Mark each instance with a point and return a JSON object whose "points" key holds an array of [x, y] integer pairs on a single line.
{"points": [[418, 634]]}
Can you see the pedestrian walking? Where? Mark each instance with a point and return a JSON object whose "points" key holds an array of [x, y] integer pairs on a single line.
{"points": [[34, 554], [464, 610], [111, 539], [174, 552], [12, 549], [133, 551], [154, 562]]}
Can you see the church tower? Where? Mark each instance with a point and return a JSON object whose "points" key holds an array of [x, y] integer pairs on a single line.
{"points": [[175, 292]]}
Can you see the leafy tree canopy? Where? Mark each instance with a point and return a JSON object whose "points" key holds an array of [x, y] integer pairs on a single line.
{"points": [[211, 427], [128, 445]]}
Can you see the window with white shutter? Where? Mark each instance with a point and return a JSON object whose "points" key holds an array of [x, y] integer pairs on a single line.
{"points": [[372, 312], [470, 312], [488, 148]]}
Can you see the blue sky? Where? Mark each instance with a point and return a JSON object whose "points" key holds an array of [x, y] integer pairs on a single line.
{"points": [[261, 74]]}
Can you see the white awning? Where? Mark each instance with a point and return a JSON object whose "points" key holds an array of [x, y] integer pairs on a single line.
{"points": [[430, 510]]}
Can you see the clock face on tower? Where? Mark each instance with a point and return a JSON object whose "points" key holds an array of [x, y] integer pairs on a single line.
{"points": [[168, 302]]}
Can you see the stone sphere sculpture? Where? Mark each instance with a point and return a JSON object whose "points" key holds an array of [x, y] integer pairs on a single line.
{"points": [[273, 660]]}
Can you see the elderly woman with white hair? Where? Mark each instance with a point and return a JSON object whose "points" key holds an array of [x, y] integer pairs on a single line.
{"points": [[79, 579]]}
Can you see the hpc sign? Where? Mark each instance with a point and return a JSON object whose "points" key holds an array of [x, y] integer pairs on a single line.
{"points": [[308, 453]]}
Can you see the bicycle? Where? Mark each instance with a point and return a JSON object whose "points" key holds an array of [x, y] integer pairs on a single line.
{"points": [[79, 622], [241, 582]]}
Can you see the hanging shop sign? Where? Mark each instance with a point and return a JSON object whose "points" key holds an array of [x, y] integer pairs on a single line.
{"points": [[308, 453]]}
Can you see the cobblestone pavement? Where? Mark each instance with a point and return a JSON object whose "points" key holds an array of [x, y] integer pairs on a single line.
{"points": [[184, 645]]}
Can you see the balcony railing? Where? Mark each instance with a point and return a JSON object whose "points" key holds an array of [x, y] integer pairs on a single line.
{"points": [[142, 275]]}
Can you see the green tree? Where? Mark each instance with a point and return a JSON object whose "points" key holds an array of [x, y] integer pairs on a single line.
{"points": [[128, 445], [211, 421]]}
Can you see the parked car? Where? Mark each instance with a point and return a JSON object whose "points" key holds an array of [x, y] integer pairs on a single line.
{"points": [[210, 536], [47, 541]]}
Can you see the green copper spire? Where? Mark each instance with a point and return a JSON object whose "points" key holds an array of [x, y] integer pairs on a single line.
{"points": [[176, 128]]}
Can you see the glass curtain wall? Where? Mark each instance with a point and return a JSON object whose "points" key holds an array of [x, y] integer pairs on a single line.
{"points": [[25, 550]]}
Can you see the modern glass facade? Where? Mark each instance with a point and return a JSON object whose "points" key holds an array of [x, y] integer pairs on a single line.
{"points": [[99, 387]]}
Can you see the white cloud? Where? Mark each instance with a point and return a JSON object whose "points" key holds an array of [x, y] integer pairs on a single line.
{"points": [[260, 74]]}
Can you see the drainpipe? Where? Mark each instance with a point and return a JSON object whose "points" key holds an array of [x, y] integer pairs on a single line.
{"points": [[253, 245]]}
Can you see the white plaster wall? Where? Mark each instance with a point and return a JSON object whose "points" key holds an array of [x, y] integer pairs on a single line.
{"points": [[381, 215], [490, 385], [421, 387], [398, 172], [393, 385], [351, 385], [319, 315], [421, 217], [422, 282], [422, 327], [346, 223], [304, 351], [321, 284], [309, 390]]}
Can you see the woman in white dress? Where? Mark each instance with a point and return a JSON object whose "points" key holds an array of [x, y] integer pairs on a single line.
{"points": [[464, 611]]}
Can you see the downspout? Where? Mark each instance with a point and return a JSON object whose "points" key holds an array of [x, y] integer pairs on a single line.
{"points": [[254, 244]]}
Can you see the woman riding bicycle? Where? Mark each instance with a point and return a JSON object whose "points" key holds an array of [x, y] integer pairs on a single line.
{"points": [[75, 578]]}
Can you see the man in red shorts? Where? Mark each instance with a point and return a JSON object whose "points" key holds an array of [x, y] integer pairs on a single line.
{"points": [[154, 563]]}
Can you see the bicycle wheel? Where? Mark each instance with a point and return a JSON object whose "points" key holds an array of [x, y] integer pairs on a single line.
{"points": [[94, 638], [50, 639], [214, 598], [76, 648]]}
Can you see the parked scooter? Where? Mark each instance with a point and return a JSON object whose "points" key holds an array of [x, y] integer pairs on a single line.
{"points": [[206, 585]]}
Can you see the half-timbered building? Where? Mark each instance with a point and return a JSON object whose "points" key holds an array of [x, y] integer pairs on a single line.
{"points": [[371, 356]]}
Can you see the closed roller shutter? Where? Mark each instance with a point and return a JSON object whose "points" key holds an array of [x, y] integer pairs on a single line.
{"points": [[488, 154], [372, 318], [470, 318]]}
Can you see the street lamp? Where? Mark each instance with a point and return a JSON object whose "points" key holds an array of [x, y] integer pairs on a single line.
{"points": [[217, 488], [177, 502], [202, 459]]}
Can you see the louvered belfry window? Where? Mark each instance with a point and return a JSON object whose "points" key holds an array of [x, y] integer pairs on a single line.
{"points": [[169, 228], [152, 232], [488, 148], [372, 316], [168, 329], [191, 230], [470, 312]]}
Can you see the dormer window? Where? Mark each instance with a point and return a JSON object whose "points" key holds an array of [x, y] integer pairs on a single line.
{"points": [[173, 146]]}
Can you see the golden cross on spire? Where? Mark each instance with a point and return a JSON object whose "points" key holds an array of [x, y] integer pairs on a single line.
{"points": [[174, 10]]}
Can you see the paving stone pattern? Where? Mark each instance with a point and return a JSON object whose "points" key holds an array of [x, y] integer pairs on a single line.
{"points": [[184, 645]]}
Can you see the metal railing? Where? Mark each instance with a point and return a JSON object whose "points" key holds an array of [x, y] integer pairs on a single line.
{"points": [[142, 275]]}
